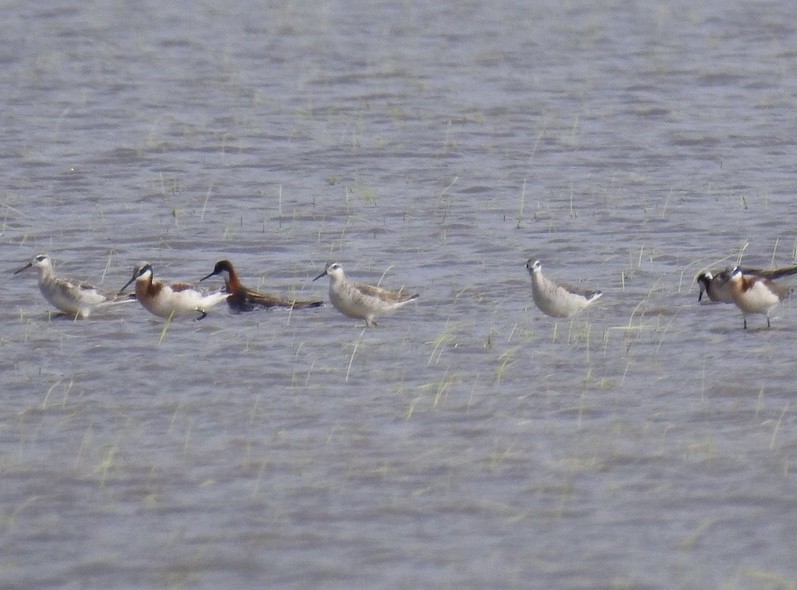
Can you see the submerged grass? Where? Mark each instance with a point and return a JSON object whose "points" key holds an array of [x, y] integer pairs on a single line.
{"points": [[67, 389], [165, 329], [777, 427], [355, 346], [505, 360], [439, 389], [445, 339]]}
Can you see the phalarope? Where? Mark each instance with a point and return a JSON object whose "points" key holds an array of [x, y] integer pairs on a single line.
{"points": [[243, 299], [70, 297], [755, 294], [359, 300], [555, 299], [171, 300], [715, 284]]}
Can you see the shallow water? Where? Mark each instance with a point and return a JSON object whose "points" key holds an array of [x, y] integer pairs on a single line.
{"points": [[468, 440]]}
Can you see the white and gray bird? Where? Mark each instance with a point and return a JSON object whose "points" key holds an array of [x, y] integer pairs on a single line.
{"points": [[556, 299], [359, 300], [71, 297]]}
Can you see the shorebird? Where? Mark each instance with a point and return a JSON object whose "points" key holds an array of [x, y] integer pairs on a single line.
{"points": [[169, 300], [361, 301], [715, 284], [73, 298], [555, 299], [755, 294], [243, 299]]}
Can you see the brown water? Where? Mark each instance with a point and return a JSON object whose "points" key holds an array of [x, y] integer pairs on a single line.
{"points": [[468, 441]]}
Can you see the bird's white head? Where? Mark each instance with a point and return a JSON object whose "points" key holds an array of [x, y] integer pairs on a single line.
{"points": [[334, 271], [41, 262], [533, 266]]}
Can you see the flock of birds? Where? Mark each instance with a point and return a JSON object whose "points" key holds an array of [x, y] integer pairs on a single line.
{"points": [[753, 291], [172, 300]]}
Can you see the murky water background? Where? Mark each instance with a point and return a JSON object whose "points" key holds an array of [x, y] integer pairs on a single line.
{"points": [[468, 441]]}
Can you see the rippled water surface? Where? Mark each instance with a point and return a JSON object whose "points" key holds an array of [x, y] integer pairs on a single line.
{"points": [[468, 441]]}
